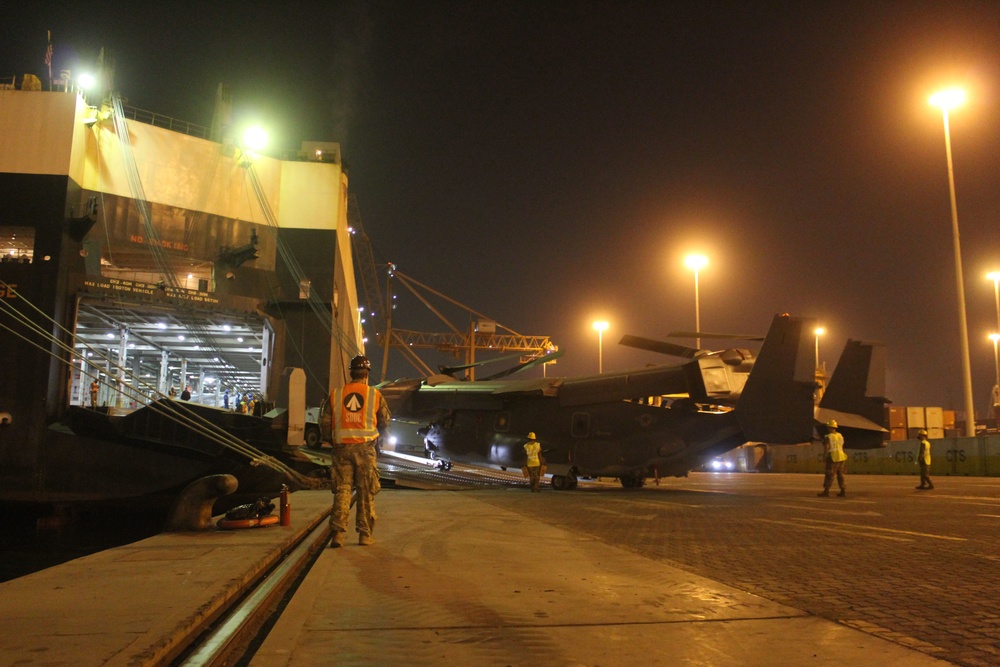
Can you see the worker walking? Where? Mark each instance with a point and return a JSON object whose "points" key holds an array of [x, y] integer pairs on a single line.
{"points": [[94, 388], [924, 459], [836, 460], [359, 415], [533, 449]]}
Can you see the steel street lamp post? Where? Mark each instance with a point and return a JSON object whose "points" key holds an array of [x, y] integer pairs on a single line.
{"points": [[696, 263], [996, 365], [819, 332], [600, 327], [947, 100], [995, 277]]}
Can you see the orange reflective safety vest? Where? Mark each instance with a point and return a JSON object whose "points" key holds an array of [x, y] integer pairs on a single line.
{"points": [[835, 447], [354, 410]]}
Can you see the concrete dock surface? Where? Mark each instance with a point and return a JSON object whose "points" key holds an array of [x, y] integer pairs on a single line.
{"points": [[451, 579], [454, 580]]}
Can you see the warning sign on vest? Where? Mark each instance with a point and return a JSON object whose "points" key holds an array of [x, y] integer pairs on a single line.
{"points": [[354, 404]]}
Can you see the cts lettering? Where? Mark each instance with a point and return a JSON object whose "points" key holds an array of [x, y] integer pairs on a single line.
{"points": [[8, 291], [903, 457], [861, 457], [955, 455]]}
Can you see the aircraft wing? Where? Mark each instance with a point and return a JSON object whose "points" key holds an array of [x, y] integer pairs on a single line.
{"points": [[654, 381]]}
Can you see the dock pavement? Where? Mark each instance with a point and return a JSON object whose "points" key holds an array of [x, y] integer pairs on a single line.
{"points": [[451, 579]]}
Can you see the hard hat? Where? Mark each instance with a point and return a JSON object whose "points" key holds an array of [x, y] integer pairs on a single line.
{"points": [[359, 363], [531, 435], [921, 432], [832, 423]]}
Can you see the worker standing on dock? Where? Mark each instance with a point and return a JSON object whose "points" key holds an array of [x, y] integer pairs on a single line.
{"points": [[924, 459], [94, 388], [359, 415]]}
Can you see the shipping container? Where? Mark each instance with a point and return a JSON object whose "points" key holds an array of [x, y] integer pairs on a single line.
{"points": [[935, 433], [934, 418], [897, 434], [915, 418], [948, 419], [895, 416]]}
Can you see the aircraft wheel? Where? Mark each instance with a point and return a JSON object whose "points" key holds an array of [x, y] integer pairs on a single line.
{"points": [[560, 483], [632, 481], [312, 437]]}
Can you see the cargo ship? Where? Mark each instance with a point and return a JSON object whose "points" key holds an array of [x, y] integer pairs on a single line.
{"points": [[159, 282]]}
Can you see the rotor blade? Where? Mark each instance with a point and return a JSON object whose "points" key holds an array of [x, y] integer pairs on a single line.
{"points": [[448, 370], [694, 334], [660, 346], [544, 359]]}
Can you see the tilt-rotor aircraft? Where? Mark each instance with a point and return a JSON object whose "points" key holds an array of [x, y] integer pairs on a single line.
{"points": [[657, 421]]}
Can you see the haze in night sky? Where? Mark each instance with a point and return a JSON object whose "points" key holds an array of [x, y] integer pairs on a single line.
{"points": [[551, 163]]}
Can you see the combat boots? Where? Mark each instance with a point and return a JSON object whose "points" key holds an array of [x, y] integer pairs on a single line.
{"points": [[365, 540], [842, 494], [825, 493], [337, 539]]}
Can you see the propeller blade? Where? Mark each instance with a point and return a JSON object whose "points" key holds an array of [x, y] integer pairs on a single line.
{"points": [[545, 358], [660, 346], [449, 370], [694, 334]]}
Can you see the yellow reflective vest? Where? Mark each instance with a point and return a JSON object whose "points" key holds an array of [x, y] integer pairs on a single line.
{"points": [[835, 446], [354, 409], [532, 449], [924, 454]]}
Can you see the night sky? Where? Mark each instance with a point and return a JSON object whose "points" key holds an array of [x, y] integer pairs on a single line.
{"points": [[551, 163]]}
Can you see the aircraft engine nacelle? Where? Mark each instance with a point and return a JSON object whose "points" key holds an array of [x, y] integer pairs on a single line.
{"points": [[718, 378]]}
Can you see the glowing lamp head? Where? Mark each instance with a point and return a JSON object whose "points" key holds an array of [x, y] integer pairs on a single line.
{"points": [[948, 99], [820, 331], [255, 138], [600, 326], [994, 337], [696, 262], [994, 276], [85, 81]]}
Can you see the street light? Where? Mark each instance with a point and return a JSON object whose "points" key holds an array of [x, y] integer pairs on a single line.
{"points": [[996, 364], [600, 327], [696, 263], [819, 332], [995, 277], [947, 100]]}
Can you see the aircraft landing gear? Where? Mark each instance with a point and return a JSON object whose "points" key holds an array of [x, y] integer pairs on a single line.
{"points": [[564, 482], [633, 481], [442, 464]]}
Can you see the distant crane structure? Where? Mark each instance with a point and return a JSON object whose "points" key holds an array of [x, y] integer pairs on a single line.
{"points": [[483, 332]]}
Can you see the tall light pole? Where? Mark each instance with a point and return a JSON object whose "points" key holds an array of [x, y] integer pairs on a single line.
{"points": [[996, 364], [995, 277], [696, 263], [947, 100], [600, 327], [819, 332]]}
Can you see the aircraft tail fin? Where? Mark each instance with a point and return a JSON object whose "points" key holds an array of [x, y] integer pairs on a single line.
{"points": [[776, 404], [855, 396]]}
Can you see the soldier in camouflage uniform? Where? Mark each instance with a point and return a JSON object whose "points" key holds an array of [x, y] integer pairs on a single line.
{"points": [[359, 414]]}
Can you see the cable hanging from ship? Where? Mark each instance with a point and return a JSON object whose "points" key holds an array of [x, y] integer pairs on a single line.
{"points": [[170, 409]]}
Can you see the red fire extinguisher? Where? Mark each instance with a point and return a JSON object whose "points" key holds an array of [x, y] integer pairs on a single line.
{"points": [[286, 507]]}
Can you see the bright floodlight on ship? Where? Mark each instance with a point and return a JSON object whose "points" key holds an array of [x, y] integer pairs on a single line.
{"points": [[85, 81], [255, 138]]}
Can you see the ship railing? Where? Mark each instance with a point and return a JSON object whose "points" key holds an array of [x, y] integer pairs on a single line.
{"points": [[159, 120]]}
